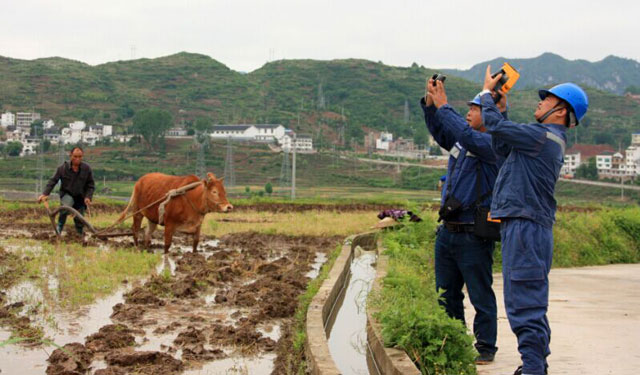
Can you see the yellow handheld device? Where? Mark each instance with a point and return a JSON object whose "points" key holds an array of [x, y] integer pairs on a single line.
{"points": [[509, 77]]}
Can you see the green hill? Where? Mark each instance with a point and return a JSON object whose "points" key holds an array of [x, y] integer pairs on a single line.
{"points": [[613, 74], [314, 93]]}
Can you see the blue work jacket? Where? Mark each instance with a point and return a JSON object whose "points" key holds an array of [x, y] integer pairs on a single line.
{"points": [[534, 156], [467, 148]]}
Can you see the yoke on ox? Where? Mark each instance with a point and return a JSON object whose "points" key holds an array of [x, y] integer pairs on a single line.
{"points": [[188, 200]]}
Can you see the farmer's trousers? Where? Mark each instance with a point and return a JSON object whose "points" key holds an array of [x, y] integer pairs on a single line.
{"points": [[464, 258], [78, 204], [527, 251]]}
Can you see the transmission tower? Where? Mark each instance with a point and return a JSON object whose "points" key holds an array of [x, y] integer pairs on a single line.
{"points": [[320, 97], [229, 174], [406, 111], [40, 166], [285, 172], [201, 167], [341, 131]]}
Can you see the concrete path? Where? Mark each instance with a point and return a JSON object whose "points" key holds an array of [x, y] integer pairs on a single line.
{"points": [[594, 314]]}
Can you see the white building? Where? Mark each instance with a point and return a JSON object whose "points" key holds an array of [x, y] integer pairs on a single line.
{"points": [[7, 119], [269, 133], [611, 166], [24, 119], [101, 130], [48, 124], [90, 138], [70, 136], [635, 139], [176, 132], [632, 160], [77, 125], [571, 163], [107, 130], [603, 161], [258, 133], [384, 141], [301, 143], [30, 146]]}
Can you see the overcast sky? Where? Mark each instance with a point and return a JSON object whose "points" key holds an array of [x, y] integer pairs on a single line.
{"points": [[244, 34]]}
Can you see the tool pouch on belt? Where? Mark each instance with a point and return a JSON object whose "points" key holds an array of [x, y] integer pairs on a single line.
{"points": [[451, 206], [482, 227]]}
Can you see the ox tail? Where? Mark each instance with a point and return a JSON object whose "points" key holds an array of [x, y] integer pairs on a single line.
{"points": [[131, 206]]}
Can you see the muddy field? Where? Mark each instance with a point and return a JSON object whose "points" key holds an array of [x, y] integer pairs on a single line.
{"points": [[226, 309]]}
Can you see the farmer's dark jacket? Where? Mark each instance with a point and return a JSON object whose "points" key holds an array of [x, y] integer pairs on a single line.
{"points": [[78, 185]]}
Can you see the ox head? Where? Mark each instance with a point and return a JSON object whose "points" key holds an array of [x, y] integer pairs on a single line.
{"points": [[216, 195]]}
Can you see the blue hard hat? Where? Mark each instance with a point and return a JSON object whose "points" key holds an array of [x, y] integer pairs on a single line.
{"points": [[475, 100], [572, 94]]}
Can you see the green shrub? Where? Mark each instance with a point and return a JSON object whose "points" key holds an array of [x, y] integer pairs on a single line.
{"points": [[409, 312]]}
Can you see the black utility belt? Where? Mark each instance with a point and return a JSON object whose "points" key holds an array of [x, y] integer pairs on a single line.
{"points": [[459, 227]]}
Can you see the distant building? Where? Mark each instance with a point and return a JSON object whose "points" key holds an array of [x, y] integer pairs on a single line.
{"points": [[269, 133], [30, 146], [176, 132], [632, 157], [302, 143], [24, 119], [77, 125], [48, 124], [635, 139], [7, 119], [581, 153]]}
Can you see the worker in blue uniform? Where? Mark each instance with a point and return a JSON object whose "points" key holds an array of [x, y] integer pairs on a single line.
{"points": [[461, 257], [523, 200]]}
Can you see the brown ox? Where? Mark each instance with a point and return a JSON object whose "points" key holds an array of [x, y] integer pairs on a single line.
{"points": [[183, 213]]}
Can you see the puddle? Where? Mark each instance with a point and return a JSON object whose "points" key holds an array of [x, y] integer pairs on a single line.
{"points": [[321, 258], [69, 327], [258, 365], [270, 330], [348, 337], [168, 263]]}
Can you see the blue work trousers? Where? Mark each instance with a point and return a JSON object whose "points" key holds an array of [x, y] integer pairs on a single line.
{"points": [[78, 204], [464, 258], [527, 251]]}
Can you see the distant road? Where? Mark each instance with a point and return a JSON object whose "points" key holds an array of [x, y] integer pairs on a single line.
{"points": [[402, 164], [598, 183], [405, 164]]}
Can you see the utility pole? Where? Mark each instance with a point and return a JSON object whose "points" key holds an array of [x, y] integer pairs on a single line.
{"points": [[40, 162], [293, 170], [229, 175]]}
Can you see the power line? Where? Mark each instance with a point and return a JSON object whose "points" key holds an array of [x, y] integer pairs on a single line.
{"points": [[229, 174]]}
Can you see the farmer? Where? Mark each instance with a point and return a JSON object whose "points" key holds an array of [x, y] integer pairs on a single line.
{"points": [[76, 188]]}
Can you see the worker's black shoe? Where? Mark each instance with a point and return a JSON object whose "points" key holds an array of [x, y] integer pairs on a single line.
{"points": [[519, 370], [485, 358]]}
